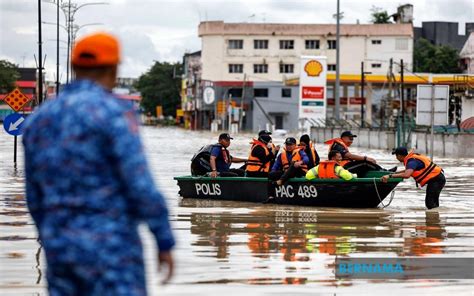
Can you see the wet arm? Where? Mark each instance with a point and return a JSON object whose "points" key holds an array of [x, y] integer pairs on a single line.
{"points": [[237, 159], [404, 174]]}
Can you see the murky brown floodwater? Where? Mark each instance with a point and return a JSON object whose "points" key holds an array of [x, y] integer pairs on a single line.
{"points": [[234, 248]]}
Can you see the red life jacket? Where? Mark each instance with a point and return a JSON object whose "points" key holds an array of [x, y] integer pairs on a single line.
{"points": [[294, 158], [427, 173], [254, 164], [327, 169], [340, 142]]}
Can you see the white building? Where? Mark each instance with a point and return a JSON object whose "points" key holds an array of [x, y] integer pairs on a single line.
{"points": [[271, 52], [267, 56]]}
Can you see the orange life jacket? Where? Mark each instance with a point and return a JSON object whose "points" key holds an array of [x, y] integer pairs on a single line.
{"points": [[294, 158], [326, 169], [430, 170], [253, 163], [340, 142]]}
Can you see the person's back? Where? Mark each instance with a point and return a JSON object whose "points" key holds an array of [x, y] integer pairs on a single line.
{"points": [[88, 186]]}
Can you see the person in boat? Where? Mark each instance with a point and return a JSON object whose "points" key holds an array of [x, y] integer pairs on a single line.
{"points": [[342, 145], [221, 159], [291, 162], [423, 170], [357, 164], [261, 156], [330, 169], [308, 147]]}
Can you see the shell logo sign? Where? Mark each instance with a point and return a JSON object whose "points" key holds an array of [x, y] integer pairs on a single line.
{"points": [[313, 68], [312, 89]]}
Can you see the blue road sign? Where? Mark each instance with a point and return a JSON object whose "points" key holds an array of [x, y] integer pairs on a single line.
{"points": [[13, 123]]}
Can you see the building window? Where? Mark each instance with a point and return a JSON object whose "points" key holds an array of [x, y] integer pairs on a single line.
{"points": [[376, 65], [378, 41], [287, 68], [401, 44], [331, 44], [260, 68], [312, 44], [236, 68], [286, 92], [236, 44], [260, 92], [287, 44], [331, 67], [260, 44]]}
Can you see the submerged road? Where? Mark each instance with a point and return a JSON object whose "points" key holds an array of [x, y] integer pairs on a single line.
{"points": [[237, 248]]}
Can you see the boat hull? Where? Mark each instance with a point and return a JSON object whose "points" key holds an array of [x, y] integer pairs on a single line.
{"points": [[358, 193]]}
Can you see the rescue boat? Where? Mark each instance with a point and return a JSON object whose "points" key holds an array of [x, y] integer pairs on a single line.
{"points": [[366, 192]]}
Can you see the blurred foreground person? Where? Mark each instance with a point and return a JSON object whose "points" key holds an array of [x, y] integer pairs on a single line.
{"points": [[423, 170], [88, 183]]}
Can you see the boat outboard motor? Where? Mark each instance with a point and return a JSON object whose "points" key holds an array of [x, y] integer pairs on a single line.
{"points": [[200, 163]]}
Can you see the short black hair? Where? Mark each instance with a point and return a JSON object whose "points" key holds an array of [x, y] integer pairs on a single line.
{"points": [[332, 153]]}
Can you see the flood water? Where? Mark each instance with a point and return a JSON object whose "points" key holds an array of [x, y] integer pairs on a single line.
{"points": [[233, 248]]}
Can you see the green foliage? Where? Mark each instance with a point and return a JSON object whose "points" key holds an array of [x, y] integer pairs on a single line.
{"points": [[431, 58], [161, 86], [8, 76], [379, 16]]}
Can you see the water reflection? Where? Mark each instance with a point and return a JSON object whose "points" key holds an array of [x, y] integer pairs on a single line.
{"points": [[294, 234]]}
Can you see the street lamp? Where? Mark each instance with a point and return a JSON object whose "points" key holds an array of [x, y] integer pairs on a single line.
{"points": [[71, 9], [362, 85]]}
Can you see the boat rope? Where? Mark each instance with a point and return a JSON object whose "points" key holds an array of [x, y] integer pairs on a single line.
{"points": [[377, 191]]}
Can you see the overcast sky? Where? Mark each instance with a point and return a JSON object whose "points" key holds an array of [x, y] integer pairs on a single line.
{"points": [[164, 30]]}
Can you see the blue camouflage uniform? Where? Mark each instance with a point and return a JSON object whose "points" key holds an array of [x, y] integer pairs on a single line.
{"points": [[88, 186]]}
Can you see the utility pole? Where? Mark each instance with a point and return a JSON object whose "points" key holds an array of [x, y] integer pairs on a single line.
{"points": [[68, 27], [362, 84], [241, 115], [57, 48], [388, 108], [402, 96], [40, 57], [362, 87], [337, 104]]}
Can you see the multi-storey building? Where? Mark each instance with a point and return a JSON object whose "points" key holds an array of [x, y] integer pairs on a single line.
{"points": [[265, 56]]}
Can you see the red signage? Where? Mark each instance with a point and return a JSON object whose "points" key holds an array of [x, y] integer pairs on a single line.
{"points": [[313, 92]]}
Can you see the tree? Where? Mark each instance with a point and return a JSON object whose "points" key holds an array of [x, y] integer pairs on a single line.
{"points": [[435, 58], [161, 86], [379, 16], [8, 76]]}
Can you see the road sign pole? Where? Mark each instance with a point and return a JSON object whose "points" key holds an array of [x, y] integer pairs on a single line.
{"points": [[14, 151], [432, 119]]}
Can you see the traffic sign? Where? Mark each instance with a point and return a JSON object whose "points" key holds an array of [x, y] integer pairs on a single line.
{"points": [[13, 124], [16, 99], [209, 95]]}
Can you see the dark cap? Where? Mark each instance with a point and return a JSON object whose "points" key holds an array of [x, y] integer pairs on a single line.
{"points": [[225, 136], [305, 139], [400, 151], [348, 134], [264, 132], [265, 138], [290, 141]]}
